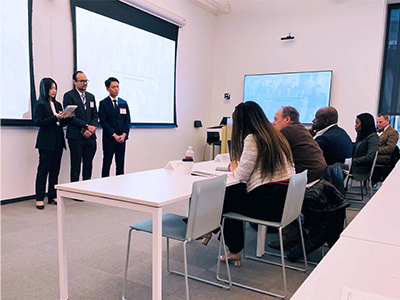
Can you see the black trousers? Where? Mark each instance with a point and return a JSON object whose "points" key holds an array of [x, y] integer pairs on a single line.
{"points": [[49, 167], [111, 147], [82, 151], [264, 202]]}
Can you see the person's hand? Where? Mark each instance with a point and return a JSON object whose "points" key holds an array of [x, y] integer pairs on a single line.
{"points": [[87, 134], [91, 128], [61, 115], [72, 115], [122, 138]]}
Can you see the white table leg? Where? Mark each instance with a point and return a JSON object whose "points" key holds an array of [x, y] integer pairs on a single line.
{"points": [[62, 248], [261, 240], [157, 253]]}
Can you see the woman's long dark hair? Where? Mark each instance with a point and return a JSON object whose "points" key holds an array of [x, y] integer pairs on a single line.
{"points": [[45, 86], [273, 148], [367, 126]]}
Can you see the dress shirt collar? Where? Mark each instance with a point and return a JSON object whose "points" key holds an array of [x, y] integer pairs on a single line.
{"points": [[322, 131], [80, 93]]}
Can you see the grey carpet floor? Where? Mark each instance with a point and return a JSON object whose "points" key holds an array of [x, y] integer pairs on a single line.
{"points": [[97, 240]]}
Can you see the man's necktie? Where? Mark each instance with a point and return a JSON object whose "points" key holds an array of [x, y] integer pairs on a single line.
{"points": [[115, 105], [83, 96]]}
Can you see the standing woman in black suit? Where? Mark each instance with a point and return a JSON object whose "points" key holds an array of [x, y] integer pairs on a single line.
{"points": [[49, 117]]}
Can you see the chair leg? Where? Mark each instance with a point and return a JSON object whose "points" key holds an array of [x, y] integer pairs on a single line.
{"points": [[246, 286], [244, 239], [222, 245], [302, 244], [204, 153], [282, 260], [186, 271], [186, 275], [126, 264]]}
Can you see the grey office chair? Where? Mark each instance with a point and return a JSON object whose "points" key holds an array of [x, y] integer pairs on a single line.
{"points": [[291, 212], [365, 179], [205, 210]]}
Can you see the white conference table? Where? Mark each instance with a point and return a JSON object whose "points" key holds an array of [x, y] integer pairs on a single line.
{"points": [[371, 270], [379, 220], [365, 261], [147, 191]]}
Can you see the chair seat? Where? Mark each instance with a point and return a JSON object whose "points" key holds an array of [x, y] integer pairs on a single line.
{"points": [[244, 218], [173, 226]]}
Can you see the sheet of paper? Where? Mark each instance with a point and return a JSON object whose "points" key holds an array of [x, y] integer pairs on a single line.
{"points": [[353, 294]]}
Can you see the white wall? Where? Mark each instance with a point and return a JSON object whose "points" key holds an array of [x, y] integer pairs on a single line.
{"points": [[345, 36], [146, 148], [214, 53]]}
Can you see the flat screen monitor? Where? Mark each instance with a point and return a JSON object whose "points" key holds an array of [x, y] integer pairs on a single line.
{"points": [[306, 91]]}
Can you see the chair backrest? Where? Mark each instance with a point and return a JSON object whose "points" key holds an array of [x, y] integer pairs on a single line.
{"points": [[373, 165], [294, 198], [212, 137], [206, 204], [348, 161]]}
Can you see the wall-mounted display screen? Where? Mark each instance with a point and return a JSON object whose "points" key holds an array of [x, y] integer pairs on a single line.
{"points": [[111, 41], [306, 91], [16, 82]]}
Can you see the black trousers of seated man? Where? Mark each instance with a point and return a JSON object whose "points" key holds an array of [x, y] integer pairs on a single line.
{"points": [[324, 227], [265, 202]]}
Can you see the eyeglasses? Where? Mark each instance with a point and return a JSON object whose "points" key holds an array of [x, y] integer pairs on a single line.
{"points": [[83, 81]]}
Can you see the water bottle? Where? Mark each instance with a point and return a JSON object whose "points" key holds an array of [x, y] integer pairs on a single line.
{"points": [[189, 153]]}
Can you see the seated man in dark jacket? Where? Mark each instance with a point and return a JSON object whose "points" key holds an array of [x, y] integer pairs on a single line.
{"points": [[324, 210], [334, 141]]}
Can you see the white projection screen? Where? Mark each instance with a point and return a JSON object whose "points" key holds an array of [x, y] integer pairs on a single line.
{"points": [[142, 61], [15, 62]]}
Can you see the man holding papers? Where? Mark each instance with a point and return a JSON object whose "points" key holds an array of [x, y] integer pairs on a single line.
{"points": [[81, 130], [115, 119]]}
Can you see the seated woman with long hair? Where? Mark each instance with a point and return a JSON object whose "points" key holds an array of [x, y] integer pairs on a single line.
{"points": [[365, 146], [262, 161]]}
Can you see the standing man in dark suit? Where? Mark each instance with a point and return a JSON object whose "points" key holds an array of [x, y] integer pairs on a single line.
{"points": [[115, 120], [81, 130], [334, 141]]}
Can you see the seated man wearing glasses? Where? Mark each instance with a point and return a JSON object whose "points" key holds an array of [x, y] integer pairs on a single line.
{"points": [[81, 130]]}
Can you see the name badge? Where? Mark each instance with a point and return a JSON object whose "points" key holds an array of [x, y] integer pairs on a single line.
{"points": [[91, 104], [122, 111]]}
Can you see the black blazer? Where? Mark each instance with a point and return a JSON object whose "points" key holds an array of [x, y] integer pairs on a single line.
{"points": [[82, 116], [49, 131], [363, 156], [336, 145], [112, 121]]}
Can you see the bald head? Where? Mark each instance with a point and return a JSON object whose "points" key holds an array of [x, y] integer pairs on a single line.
{"points": [[325, 117]]}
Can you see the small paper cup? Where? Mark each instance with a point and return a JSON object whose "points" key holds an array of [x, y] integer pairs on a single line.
{"points": [[187, 167]]}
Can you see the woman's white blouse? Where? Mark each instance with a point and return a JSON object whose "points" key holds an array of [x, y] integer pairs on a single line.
{"points": [[249, 173]]}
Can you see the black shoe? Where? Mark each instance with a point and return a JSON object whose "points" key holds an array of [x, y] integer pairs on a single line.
{"points": [[288, 242], [295, 253], [52, 201], [39, 205]]}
